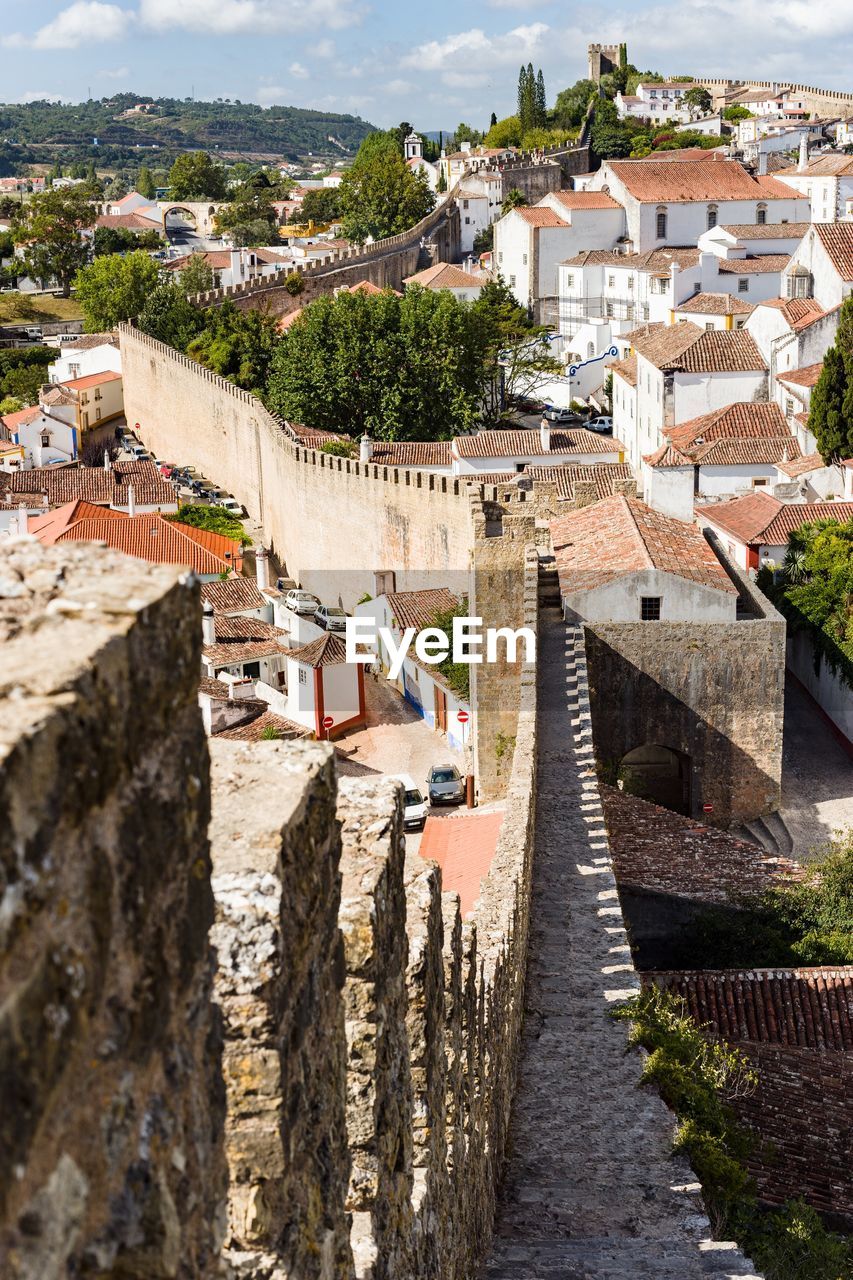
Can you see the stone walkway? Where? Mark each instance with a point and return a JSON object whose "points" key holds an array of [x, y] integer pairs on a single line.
{"points": [[592, 1191]]}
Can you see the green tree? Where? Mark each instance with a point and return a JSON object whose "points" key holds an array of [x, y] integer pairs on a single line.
{"points": [[531, 101], [169, 317], [699, 99], [24, 383], [115, 288], [251, 206], [570, 107], [197, 275], [505, 133], [514, 199], [119, 240], [609, 137], [380, 142], [213, 519], [238, 345], [830, 419], [11, 404], [464, 133], [145, 183], [321, 205], [402, 131], [382, 197], [196, 176], [493, 120], [409, 368], [51, 230], [736, 112], [518, 354], [541, 100]]}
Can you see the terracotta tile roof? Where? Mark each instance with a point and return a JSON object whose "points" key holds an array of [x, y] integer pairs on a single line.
{"points": [[311, 437], [585, 200], [214, 688], [799, 312], [418, 608], [837, 240], [91, 380], [367, 286], [232, 595], [86, 341], [660, 851], [802, 1008], [653, 260], [48, 527], [541, 217], [152, 537], [619, 536], [831, 166], [412, 453], [328, 650], [686, 346], [233, 654], [443, 275], [803, 465], [230, 627], [527, 444], [744, 419], [766, 230], [254, 730], [776, 190], [759, 518], [20, 418], [604, 475], [753, 265], [807, 376], [58, 394], [129, 222], [94, 484], [683, 181], [747, 451], [716, 304], [625, 369], [463, 846], [686, 153]]}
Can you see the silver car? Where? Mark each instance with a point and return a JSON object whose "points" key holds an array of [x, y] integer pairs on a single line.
{"points": [[445, 785]]}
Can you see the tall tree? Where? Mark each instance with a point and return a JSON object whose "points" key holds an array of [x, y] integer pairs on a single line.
{"points": [[493, 119], [541, 100], [195, 176], [382, 196], [51, 230], [145, 183], [197, 275], [115, 288], [831, 411]]}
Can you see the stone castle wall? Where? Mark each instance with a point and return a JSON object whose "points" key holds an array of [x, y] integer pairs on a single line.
{"points": [[383, 517], [350, 1047], [820, 102]]}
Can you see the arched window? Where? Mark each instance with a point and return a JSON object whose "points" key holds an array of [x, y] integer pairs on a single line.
{"points": [[661, 222], [712, 216], [590, 349], [761, 214]]}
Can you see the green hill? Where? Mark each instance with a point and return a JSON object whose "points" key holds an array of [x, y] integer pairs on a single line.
{"points": [[44, 132]]}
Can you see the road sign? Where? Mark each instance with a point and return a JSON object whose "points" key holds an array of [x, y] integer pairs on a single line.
{"points": [[707, 808], [462, 717], [327, 722]]}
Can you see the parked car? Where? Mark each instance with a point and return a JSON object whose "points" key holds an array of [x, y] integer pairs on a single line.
{"points": [[445, 785], [330, 618], [603, 425], [232, 506], [301, 602], [415, 807], [526, 405], [553, 414]]}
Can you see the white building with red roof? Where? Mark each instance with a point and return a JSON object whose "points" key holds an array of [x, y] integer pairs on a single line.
{"points": [[674, 202], [464, 285], [755, 528], [822, 266], [826, 181]]}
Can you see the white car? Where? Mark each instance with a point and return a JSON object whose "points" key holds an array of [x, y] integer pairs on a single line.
{"points": [[330, 618], [415, 807], [232, 506], [301, 602]]}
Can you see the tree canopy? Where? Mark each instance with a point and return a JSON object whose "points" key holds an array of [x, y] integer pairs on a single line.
{"points": [[831, 411], [320, 206], [504, 133], [381, 196], [115, 288], [249, 218], [196, 276], [699, 98], [238, 345], [50, 229], [195, 176], [532, 110]]}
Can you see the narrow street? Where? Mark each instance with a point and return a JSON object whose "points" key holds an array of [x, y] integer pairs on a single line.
{"points": [[817, 776]]}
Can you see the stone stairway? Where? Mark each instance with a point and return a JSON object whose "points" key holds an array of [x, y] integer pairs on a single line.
{"points": [[770, 832], [591, 1191]]}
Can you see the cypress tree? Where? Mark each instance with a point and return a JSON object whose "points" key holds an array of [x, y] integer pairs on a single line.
{"points": [[541, 101], [826, 417]]}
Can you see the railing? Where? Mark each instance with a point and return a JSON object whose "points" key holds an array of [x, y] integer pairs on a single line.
{"points": [[602, 308]]}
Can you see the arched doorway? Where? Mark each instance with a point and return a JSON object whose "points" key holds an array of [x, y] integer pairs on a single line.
{"points": [[657, 774], [179, 223]]}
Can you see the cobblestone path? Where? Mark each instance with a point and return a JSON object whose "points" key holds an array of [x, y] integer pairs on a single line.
{"points": [[591, 1191]]}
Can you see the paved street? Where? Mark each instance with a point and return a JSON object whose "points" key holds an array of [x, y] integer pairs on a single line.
{"points": [[817, 775]]}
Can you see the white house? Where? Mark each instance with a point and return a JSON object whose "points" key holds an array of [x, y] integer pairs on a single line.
{"points": [[322, 686], [530, 243], [85, 355], [620, 561], [822, 265], [826, 182], [732, 450], [791, 333], [658, 102], [755, 528], [673, 202], [793, 393], [478, 199], [507, 452], [683, 372], [36, 437], [464, 285], [237, 266]]}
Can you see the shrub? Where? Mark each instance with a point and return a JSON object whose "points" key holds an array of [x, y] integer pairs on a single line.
{"points": [[294, 284]]}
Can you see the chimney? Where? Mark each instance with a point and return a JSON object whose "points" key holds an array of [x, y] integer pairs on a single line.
{"points": [[22, 517], [107, 463], [365, 448], [208, 625], [804, 154], [262, 571], [131, 501], [762, 163], [545, 435]]}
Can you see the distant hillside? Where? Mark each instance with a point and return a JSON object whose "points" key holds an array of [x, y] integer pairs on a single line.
{"points": [[42, 132]]}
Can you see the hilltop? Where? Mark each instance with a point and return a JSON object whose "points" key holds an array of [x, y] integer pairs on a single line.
{"points": [[42, 132]]}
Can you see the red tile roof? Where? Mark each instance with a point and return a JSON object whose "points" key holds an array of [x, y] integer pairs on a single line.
{"points": [[95, 484], [748, 451], [656, 261], [255, 730], [807, 376], [761, 519], [716, 304], [152, 537], [618, 536], [418, 608], [604, 475], [232, 595], [444, 275], [239, 627], [625, 369], [234, 654], [585, 200], [129, 222], [91, 380], [541, 217], [328, 650], [802, 466], [48, 527], [744, 419], [799, 312], [801, 1008], [767, 230], [685, 346], [463, 846], [412, 453], [682, 181], [753, 265], [527, 444], [20, 418], [837, 240]]}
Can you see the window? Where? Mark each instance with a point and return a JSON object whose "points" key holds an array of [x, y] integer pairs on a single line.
{"points": [[98, 415], [650, 608], [712, 216], [251, 671], [303, 676], [761, 215], [74, 370], [524, 259], [500, 256], [743, 284], [608, 310], [630, 282], [512, 282], [45, 439], [709, 324], [570, 282], [660, 222], [758, 482], [98, 395], [464, 204], [590, 349], [467, 221], [629, 311], [739, 322], [645, 311], [611, 282], [789, 407]]}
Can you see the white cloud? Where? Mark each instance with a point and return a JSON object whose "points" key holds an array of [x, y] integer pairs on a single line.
{"points": [[38, 95], [456, 51], [323, 49], [397, 87], [85, 22], [297, 69], [273, 95], [116, 73], [246, 17]]}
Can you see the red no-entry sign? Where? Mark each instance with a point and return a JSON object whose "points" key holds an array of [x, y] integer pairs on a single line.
{"points": [[327, 722], [462, 717], [707, 808]]}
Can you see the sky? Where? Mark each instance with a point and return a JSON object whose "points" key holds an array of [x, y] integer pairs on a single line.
{"points": [[393, 60]]}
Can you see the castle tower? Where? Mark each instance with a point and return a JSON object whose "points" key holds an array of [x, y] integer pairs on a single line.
{"points": [[603, 58]]}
